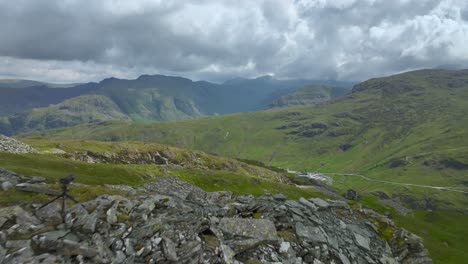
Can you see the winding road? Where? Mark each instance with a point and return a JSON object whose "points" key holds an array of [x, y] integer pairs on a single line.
{"points": [[444, 188]]}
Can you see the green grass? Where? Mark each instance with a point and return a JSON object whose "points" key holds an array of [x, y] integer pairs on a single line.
{"points": [[444, 234], [241, 185], [53, 168], [206, 171]]}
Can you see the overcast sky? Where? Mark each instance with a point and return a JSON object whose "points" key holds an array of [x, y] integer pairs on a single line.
{"points": [[88, 40]]}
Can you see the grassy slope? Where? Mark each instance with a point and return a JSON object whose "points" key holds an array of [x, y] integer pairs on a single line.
{"points": [[313, 94], [216, 173]]}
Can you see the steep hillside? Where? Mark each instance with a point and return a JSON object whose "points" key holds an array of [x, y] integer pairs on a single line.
{"points": [[310, 95], [22, 100]]}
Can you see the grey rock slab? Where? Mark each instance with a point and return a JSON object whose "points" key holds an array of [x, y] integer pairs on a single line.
{"points": [[308, 204], [312, 234], [228, 255], [362, 242], [344, 259], [260, 229], [36, 188], [2, 221], [293, 204], [51, 214], [17, 243], [2, 253], [169, 249], [21, 255], [320, 203]]}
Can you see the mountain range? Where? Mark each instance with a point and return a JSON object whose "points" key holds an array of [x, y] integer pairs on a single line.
{"points": [[148, 98]]}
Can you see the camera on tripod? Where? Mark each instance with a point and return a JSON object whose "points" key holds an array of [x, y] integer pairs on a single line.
{"points": [[64, 195], [67, 180]]}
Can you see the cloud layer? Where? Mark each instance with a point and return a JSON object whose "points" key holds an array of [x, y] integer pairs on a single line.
{"points": [[83, 40]]}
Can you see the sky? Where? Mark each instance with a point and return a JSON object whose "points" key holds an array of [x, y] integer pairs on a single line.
{"points": [[215, 40]]}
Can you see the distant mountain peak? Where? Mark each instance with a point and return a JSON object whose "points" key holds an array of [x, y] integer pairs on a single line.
{"points": [[157, 77]]}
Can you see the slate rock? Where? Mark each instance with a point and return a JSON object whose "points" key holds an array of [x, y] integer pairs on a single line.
{"points": [[311, 234], [362, 241], [260, 229], [320, 203]]}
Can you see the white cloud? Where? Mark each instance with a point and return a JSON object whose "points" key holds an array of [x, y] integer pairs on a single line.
{"points": [[83, 40]]}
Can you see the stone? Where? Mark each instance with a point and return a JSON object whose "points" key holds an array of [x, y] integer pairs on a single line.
{"points": [[320, 203], [260, 229], [344, 259], [36, 188], [280, 197], [308, 204], [17, 243], [51, 214], [24, 220], [2, 253], [228, 255], [286, 249], [21, 255], [90, 222], [72, 248], [311, 234], [362, 241], [36, 179], [169, 249], [7, 185]]}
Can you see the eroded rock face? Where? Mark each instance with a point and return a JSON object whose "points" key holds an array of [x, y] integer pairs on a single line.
{"points": [[12, 145], [161, 225]]}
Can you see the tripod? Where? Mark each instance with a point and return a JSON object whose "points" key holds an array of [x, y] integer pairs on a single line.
{"points": [[64, 196]]}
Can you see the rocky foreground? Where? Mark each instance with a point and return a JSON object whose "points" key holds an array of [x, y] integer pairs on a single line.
{"points": [[171, 221]]}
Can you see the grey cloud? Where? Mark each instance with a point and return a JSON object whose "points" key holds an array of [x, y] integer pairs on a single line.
{"points": [[339, 39]]}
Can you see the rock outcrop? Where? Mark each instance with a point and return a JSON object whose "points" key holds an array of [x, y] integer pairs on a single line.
{"points": [[12, 145], [9, 179], [171, 221]]}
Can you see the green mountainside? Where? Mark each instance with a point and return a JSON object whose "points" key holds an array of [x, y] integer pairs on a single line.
{"points": [[74, 111], [310, 95]]}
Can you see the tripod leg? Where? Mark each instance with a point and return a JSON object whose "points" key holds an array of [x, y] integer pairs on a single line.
{"points": [[74, 200], [64, 205], [51, 201]]}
